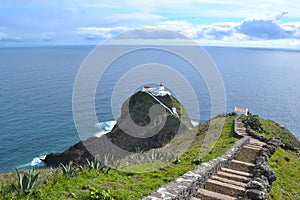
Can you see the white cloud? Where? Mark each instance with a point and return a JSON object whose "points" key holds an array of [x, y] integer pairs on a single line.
{"points": [[47, 36], [96, 33], [6, 38], [257, 31], [135, 17]]}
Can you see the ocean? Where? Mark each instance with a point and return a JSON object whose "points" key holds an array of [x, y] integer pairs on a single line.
{"points": [[36, 85]]}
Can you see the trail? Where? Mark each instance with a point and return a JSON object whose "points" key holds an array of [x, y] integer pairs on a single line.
{"points": [[162, 104]]}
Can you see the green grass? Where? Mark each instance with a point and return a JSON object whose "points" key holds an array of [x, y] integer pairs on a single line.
{"points": [[286, 165], [130, 185], [124, 185], [273, 129]]}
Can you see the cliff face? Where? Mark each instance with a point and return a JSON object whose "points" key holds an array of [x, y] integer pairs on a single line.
{"points": [[149, 134], [145, 123]]}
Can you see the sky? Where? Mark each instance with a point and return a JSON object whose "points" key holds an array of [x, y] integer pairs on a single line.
{"points": [[266, 23]]}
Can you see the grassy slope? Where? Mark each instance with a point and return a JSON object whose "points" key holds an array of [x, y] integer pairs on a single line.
{"points": [[134, 186], [285, 164], [273, 129], [121, 184]]}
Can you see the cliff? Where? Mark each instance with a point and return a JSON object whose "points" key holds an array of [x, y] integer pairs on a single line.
{"points": [[145, 123]]}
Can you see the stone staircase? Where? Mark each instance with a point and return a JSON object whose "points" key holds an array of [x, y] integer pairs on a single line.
{"points": [[225, 177], [230, 183]]}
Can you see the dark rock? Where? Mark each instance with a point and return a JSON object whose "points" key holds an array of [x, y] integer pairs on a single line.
{"points": [[164, 127], [275, 142], [77, 153], [73, 195], [256, 194], [255, 185], [287, 159], [86, 187]]}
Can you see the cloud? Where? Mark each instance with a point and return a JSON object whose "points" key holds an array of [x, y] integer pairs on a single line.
{"points": [[99, 33], [135, 17], [150, 33], [6, 38], [248, 31], [278, 16], [47, 36], [263, 29]]}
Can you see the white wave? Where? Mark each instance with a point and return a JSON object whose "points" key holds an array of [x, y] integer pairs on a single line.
{"points": [[104, 127], [35, 162], [194, 123]]}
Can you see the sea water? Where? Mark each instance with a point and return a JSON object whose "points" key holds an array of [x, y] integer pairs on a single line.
{"points": [[36, 85]]}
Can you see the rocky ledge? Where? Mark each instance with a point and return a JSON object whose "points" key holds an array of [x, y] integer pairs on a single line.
{"points": [[150, 122]]}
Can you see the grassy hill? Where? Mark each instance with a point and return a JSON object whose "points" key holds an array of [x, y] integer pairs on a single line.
{"points": [[286, 164], [88, 183]]}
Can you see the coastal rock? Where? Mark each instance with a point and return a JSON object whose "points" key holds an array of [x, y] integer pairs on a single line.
{"points": [[256, 194], [151, 122]]}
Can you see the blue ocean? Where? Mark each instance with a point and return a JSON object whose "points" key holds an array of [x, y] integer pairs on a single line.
{"points": [[36, 85]]}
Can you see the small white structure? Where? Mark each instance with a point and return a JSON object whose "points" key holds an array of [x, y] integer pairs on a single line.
{"points": [[243, 110], [156, 91]]}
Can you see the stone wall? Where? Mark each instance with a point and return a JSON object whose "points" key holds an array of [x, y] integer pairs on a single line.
{"points": [[187, 185], [260, 186], [283, 145]]}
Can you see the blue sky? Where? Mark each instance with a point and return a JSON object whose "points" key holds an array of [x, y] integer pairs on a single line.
{"points": [[271, 23]]}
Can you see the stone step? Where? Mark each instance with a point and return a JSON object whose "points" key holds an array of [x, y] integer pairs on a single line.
{"points": [[229, 181], [241, 166], [234, 177], [237, 172], [224, 188], [256, 142], [254, 147], [248, 154], [209, 195]]}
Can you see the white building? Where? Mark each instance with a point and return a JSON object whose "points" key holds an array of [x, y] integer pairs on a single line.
{"points": [[156, 91]]}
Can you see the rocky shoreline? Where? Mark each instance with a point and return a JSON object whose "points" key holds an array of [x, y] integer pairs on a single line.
{"points": [[117, 142]]}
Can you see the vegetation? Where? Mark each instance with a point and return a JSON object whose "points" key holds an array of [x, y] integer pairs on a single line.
{"points": [[273, 129], [91, 182], [254, 122], [286, 165], [28, 182]]}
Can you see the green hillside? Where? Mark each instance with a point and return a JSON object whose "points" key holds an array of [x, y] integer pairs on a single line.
{"points": [[87, 183]]}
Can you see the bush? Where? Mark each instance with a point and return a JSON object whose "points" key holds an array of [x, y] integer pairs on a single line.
{"points": [[196, 161], [28, 182], [68, 169], [100, 194], [94, 164], [254, 123]]}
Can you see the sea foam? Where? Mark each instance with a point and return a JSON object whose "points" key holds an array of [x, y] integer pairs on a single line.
{"points": [[104, 127]]}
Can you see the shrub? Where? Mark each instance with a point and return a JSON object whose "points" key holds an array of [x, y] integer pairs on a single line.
{"points": [[28, 182], [94, 164], [254, 123], [176, 161], [68, 169], [100, 194], [196, 161]]}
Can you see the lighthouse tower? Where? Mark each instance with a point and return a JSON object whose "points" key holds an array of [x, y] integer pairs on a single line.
{"points": [[160, 91], [161, 86]]}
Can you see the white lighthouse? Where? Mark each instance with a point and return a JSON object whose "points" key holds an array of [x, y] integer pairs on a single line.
{"points": [[161, 87], [160, 91]]}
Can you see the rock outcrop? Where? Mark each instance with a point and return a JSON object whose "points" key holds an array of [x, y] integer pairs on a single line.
{"points": [[146, 122]]}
